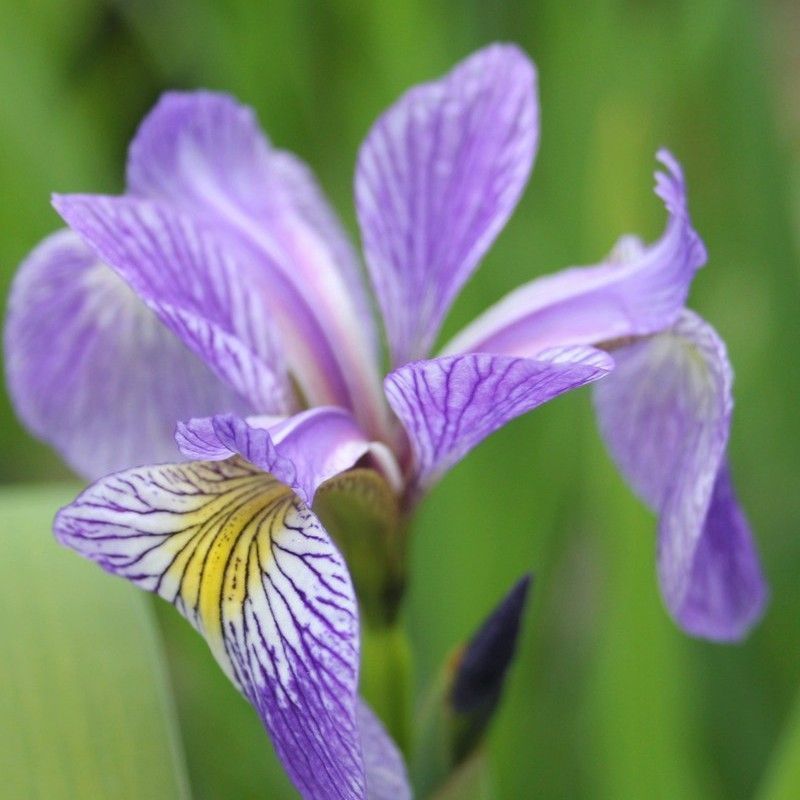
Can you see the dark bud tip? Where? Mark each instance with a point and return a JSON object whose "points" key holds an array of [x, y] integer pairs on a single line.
{"points": [[486, 658]]}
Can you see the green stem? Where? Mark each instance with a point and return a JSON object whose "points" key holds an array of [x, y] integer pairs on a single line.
{"points": [[386, 679]]}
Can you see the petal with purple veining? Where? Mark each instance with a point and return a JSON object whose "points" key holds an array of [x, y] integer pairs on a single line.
{"points": [[247, 563], [665, 415], [437, 177], [639, 290], [307, 199], [201, 289], [92, 370], [448, 405], [204, 154], [302, 451]]}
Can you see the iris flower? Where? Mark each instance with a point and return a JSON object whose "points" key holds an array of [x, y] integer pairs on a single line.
{"points": [[220, 291]]}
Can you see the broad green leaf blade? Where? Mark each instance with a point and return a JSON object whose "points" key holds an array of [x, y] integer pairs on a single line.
{"points": [[85, 709], [782, 777], [641, 708]]}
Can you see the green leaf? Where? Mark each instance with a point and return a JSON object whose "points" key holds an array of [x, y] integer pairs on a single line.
{"points": [[783, 773], [641, 703], [85, 710]]}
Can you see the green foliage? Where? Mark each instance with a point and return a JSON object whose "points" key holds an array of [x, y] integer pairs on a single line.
{"points": [[783, 774], [607, 699], [85, 707]]}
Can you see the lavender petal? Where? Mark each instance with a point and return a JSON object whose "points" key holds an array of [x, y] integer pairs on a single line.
{"points": [[385, 770], [197, 286], [204, 154], [727, 591], [639, 290], [665, 415], [251, 568], [448, 405], [302, 451], [437, 177], [90, 368]]}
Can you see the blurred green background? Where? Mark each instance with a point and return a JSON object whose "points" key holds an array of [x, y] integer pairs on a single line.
{"points": [[607, 699]]}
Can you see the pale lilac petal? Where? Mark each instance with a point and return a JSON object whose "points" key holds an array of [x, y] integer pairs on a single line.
{"points": [[247, 563], [438, 176], [665, 414], [198, 440], [303, 451], [308, 200], [727, 592], [448, 405], [198, 287], [639, 290], [385, 769], [204, 154], [91, 370]]}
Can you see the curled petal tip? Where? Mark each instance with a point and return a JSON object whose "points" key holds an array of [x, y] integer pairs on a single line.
{"points": [[731, 626], [666, 157], [726, 631], [671, 185], [671, 188]]}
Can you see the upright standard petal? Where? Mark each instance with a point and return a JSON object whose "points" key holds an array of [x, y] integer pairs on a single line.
{"points": [[308, 200], [197, 285], [639, 290], [448, 405], [204, 154], [665, 415], [437, 177], [302, 451], [90, 368], [251, 568]]}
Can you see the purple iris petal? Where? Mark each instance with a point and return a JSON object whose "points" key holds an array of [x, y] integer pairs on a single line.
{"points": [[383, 764], [639, 290], [302, 451], [205, 155], [309, 202], [727, 593], [200, 289], [247, 563], [437, 177], [92, 370], [665, 414], [450, 404]]}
